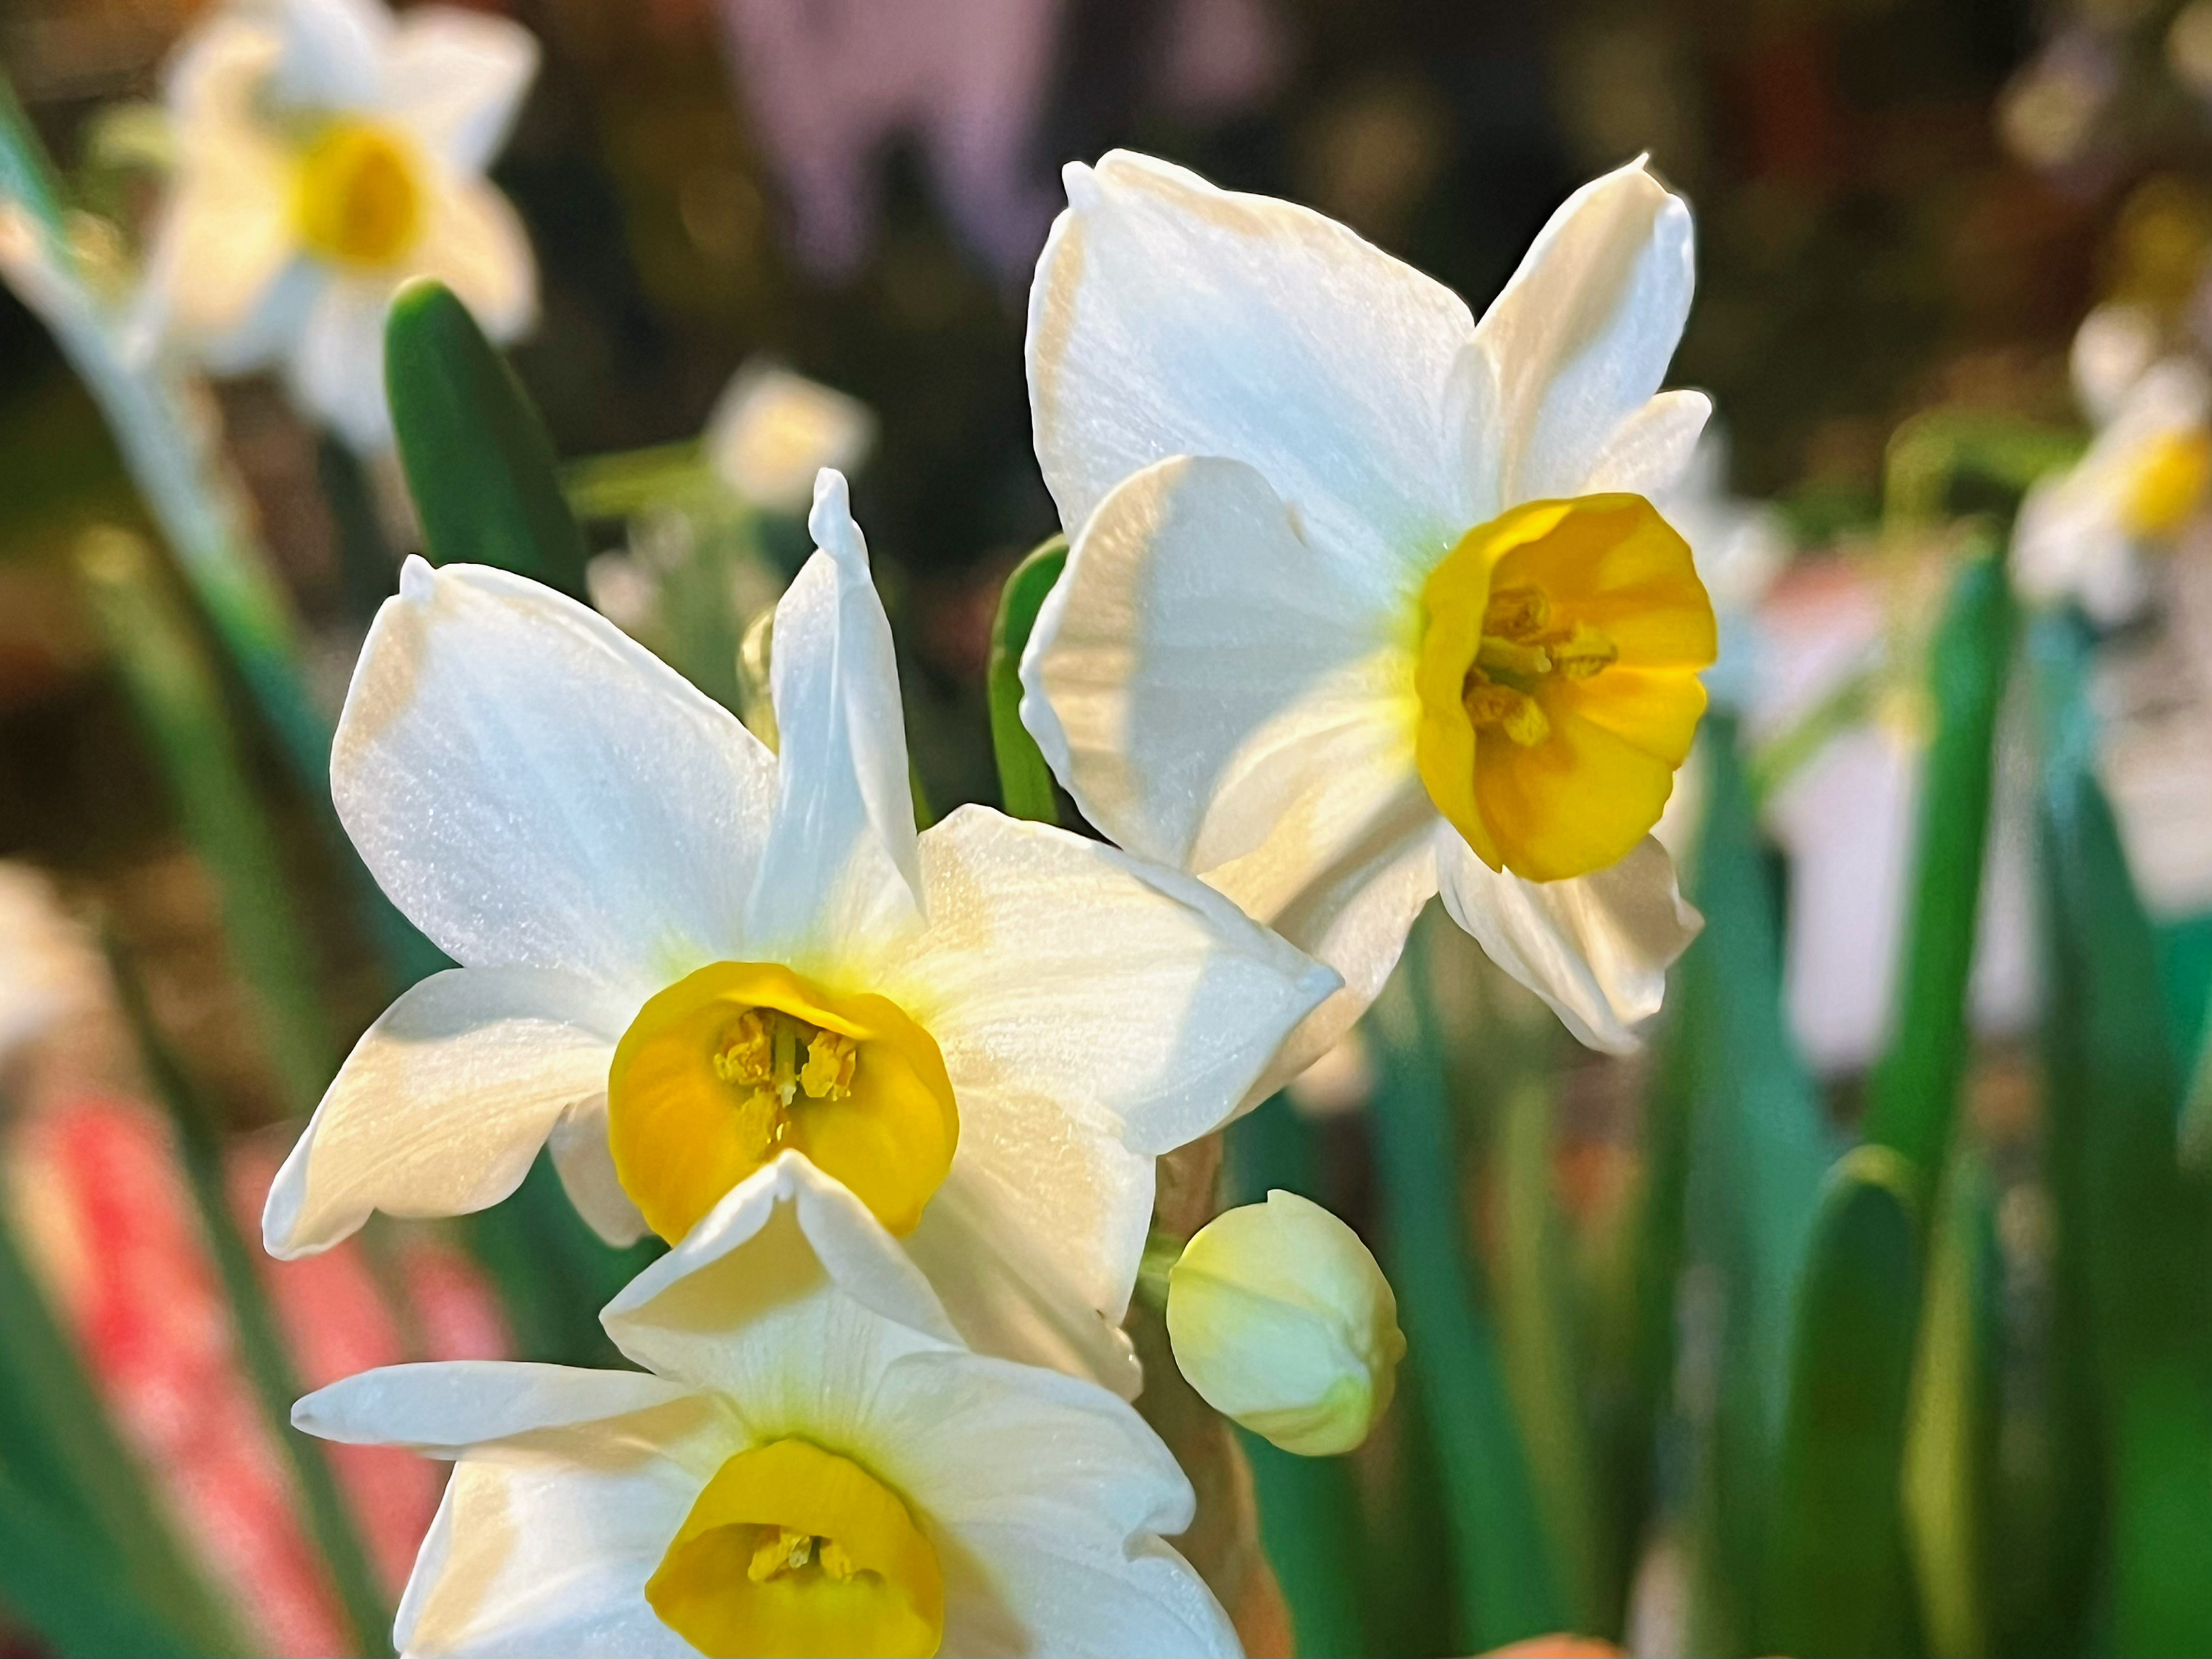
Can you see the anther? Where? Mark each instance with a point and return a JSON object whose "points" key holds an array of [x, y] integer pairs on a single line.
{"points": [[1518, 613], [1514, 713]]}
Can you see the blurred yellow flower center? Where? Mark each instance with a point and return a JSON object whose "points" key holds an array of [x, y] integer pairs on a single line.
{"points": [[741, 1061], [2169, 483], [792, 1550], [1558, 682], [357, 199]]}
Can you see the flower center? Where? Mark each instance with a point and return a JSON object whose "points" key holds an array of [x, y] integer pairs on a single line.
{"points": [[357, 197], [792, 1550], [743, 1060], [2169, 482], [1558, 682]]}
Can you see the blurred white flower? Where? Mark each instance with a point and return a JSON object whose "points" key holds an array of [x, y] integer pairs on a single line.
{"points": [[773, 430], [2082, 534], [1282, 1320], [1291, 467], [1739, 547], [325, 153], [809, 1463], [47, 969], [684, 954]]}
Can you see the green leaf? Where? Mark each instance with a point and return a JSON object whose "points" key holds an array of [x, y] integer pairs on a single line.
{"points": [[1025, 781], [55, 1579], [1504, 1581], [478, 462], [1913, 1093], [1836, 1579]]}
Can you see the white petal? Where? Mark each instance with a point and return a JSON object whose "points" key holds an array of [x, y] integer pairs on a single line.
{"points": [[586, 1166], [333, 51], [1172, 318], [475, 244], [222, 244], [1055, 1494], [1204, 681], [336, 366], [787, 1275], [447, 1408], [456, 79], [1596, 947], [1090, 1006], [534, 789], [217, 70], [1581, 337], [444, 1102], [841, 860], [1649, 451]]}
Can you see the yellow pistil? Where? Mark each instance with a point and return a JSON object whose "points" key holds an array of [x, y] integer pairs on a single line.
{"points": [[740, 1061], [2168, 485], [1558, 682], [794, 1550], [357, 196]]}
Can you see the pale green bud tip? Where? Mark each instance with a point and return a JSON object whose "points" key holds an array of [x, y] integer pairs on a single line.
{"points": [[1281, 1320]]}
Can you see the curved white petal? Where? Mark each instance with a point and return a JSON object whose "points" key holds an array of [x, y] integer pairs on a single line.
{"points": [[1650, 451], [223, 245], [333, 51], [336, 368], [534, 789], [1596, 947], [444, 1102], [1054, 1495], [448, 1408], [1206, 682], [456, 79], [1172, 318], [217, 68], [841, 860], [586, 1166], [789, 1274], [1581, 337], [475, 243], [1090, 1006]]}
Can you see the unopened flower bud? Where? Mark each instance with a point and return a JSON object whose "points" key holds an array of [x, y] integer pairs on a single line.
{"points": [[1281, 1320]]}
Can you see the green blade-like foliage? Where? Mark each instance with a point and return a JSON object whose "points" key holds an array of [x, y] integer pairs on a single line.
{"points": [[479, 465], [1025, 780], [55, 1579], [1835, 1579], [1912, 1097], [2134, 1227]]}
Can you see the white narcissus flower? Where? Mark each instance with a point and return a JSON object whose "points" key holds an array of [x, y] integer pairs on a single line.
{"points": [[325, 153], [2082, 534], [773, 430], [683, 953], [810, 1463], [1364, 600]]}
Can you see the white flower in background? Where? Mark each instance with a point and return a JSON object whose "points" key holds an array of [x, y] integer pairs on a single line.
{"points": [[1739, 547], [1364, 600], [325, 153], [809, 1463], [2083, 534], [773, 430], [683, 953], [1281, 1320], [47, 969]]}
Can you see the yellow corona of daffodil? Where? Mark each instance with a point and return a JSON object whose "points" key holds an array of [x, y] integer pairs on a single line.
{"points": [[1365, 599], [685, 956], [325, 153], [2083, 532], [808, 1463]]}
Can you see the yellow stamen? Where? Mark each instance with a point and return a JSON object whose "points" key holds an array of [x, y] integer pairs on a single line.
{"points": [[357, 196], [1497, 655], [1514, 713], [742, 1061], [1583, 652], [2169, 485], [779, 1552]]}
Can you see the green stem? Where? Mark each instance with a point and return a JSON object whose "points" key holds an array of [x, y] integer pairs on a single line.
{"points": [[1025, 780]]}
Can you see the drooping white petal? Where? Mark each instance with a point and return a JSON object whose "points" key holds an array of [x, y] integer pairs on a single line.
{"points": [[449, 1406], [841, 860], [443, 1103], [1206, 681], [1055, 1493], [455, 80], [586, 1165], [1172, 318], [1650, 451], [336, 368], [333, 52], [534, 789], [1093, 1010], [1581, 337], [789, 1274], [475, 243], [1597, 947]]}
